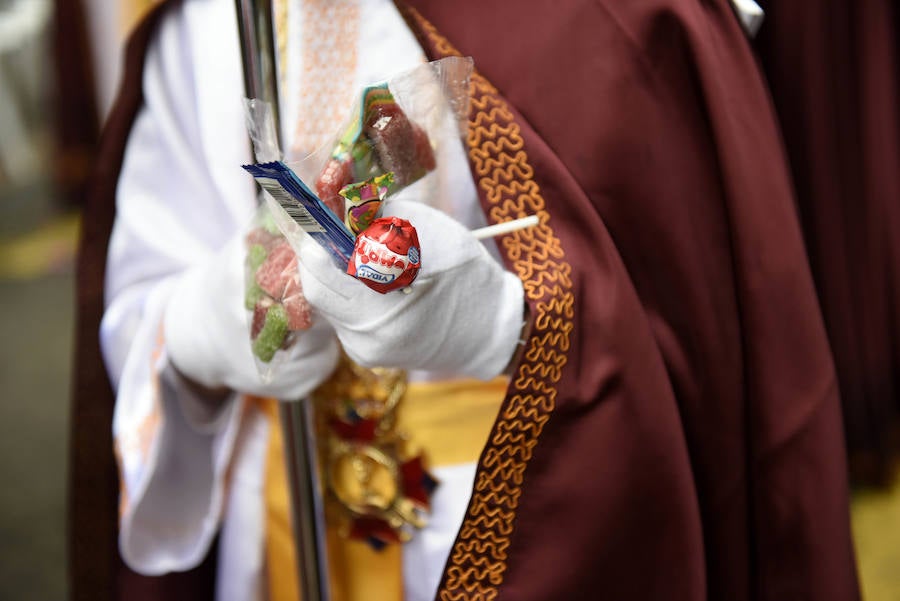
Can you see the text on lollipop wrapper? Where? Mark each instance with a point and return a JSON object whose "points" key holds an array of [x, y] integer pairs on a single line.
{"points": [[379, 254]]}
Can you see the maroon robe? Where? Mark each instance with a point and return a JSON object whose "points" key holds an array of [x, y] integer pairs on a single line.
{"points": [[833, 69], [75, 125], [690, 446], [673, 430]]}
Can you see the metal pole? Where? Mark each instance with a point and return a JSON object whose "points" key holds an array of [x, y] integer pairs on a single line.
{"points": [[298, 425], [257, 34]]}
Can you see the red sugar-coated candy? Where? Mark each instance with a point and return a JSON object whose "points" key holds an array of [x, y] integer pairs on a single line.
{"points": [[335, 175], [263, 237], [393, 139], [297, 307], [273, 275], [259, 316], [424, 152], [380, 110]]}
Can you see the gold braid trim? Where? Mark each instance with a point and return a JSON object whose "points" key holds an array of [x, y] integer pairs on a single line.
{"points": [[502, 170]]}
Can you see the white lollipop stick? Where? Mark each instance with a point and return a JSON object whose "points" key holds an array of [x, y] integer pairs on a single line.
{"points": [[505, 227]]}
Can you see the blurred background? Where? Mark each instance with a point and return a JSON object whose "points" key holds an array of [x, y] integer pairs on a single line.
{"points": [[59, 67]]}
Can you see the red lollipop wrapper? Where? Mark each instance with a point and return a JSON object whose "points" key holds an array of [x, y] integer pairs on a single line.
{"points": [[386, 256]]}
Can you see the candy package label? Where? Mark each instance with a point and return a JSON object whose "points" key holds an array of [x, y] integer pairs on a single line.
{"points": [[305, 209], [294, 209]]}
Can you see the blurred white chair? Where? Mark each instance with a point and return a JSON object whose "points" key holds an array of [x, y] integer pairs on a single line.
{"points": [[24, 72]]}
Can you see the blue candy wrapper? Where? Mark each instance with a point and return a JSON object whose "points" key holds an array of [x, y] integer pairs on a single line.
{"points": [[305, 209]]}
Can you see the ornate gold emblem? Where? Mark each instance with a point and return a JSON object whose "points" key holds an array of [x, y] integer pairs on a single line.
{"points": [[378, 490]]}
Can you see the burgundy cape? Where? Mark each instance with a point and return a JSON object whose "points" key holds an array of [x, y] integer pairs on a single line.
{"points": [[673, 430], [833, 68], [76, 127]]}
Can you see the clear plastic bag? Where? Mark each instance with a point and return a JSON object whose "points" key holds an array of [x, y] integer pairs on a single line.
{"points": [[277, 309], [393, 143]]}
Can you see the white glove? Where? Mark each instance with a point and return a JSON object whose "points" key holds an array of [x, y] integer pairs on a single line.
{"points": [[208, 338], [463, 314]]}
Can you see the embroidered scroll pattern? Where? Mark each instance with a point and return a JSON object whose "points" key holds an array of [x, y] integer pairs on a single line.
{"points": [[477, 562]]}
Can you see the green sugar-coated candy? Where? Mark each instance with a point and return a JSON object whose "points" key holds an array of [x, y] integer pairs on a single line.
{"points": [[272, 335], [253, 294], [256, 255], [268, 222]]}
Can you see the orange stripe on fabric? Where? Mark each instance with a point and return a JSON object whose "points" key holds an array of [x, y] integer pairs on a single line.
{"points": [[139, 439]]}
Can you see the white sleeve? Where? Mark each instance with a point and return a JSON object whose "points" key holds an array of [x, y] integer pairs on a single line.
{"points": [[181, 196]]}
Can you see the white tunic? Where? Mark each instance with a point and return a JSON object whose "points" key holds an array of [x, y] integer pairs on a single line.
{"points": [[181, 196]]}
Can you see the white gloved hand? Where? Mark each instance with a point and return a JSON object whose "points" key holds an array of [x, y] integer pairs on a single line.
{"points": [[463, 314], [208, 338]]}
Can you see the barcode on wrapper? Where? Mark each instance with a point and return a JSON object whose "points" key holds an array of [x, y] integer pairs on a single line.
{"points": [[306, 209], [291, 206]]}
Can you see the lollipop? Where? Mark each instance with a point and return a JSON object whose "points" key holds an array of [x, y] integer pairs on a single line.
{"points": [[386, 255]]}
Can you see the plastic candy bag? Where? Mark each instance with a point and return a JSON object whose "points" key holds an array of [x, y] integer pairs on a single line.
{"points": [[277, 309], [392, 143]]}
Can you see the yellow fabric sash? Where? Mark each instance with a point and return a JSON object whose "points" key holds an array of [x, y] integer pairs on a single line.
{"points": [[450, 421], [281, 555]]}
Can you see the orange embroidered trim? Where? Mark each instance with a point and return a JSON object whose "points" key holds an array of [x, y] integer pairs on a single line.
{"points": [[281, 40], [140, 438], [330, 31], [137, 441], [124, 500], [501, 167]]}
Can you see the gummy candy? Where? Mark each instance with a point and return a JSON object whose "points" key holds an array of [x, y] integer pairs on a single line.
{"points": [[392, 136], [336, 174], [273, 274], [272, 334], [296, 305]]}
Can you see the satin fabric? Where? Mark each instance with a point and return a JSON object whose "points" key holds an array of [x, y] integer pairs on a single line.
{"points": [[832, 67], [686, 443]]}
